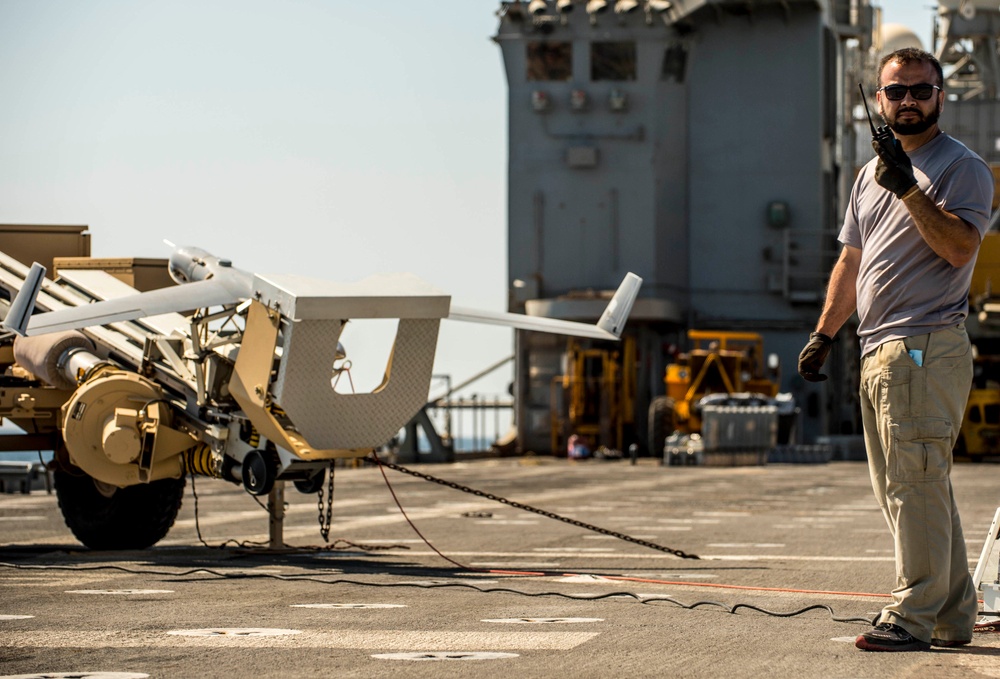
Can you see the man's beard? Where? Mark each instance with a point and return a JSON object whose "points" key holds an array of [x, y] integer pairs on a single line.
{"points": [[923, 124]]}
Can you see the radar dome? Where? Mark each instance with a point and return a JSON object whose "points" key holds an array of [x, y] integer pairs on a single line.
{"points": [[898, 36]]}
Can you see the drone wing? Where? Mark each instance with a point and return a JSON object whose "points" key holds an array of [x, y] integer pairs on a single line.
{"points": [[609, 327], [212, 292]]}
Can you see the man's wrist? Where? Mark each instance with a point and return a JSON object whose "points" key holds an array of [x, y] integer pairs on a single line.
{"points": [[912, 191]]}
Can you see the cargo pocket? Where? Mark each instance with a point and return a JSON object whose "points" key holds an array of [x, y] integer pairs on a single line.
{"points": [[920, 450], [903, 389]]}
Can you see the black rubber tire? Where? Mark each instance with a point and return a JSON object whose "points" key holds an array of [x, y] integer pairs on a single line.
{"points": [[661, 424], [313, 484], [136, 517]]}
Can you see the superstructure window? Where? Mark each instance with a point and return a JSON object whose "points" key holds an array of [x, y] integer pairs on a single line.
{"points": [[612, 61], [550, 61], [674, 63]]}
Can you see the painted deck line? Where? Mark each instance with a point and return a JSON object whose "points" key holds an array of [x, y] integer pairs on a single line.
{"points": [[378, 640], [654, 555]]}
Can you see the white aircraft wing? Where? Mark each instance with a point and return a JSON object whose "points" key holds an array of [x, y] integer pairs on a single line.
{"points": [[522, 322], [213, 292], [609, 327], [225, 284]]}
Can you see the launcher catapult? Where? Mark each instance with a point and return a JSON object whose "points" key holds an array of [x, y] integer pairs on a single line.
{"points": [[228, 374]]}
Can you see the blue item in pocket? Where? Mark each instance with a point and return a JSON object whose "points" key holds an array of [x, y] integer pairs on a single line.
{"points": [[917, 356]]}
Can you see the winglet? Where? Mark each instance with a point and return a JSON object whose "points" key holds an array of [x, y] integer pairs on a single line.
{"points": [[20, 310], [614, 316], [609, 327]]}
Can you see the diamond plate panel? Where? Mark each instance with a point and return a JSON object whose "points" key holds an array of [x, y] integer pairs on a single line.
{"points": [[329, 420]]}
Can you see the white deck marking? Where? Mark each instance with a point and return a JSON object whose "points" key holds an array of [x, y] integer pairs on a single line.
{"points": [[656, 555], [390, 541], [445, 655], [385, 640], [584, 578], [348, 606], [20, 500], [514, 565], [669, 529], [673, 576], [78, 675], [119, 591], [784, 557], [234, 632], [43, 579], [543, 621], [22, 518]]}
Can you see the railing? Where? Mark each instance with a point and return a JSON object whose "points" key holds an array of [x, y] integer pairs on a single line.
{"points": [[807, 256], [461, 425], [474, 424]]}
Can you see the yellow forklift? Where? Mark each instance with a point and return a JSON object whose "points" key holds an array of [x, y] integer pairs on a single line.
{"points": [[594, 398], [727, 370]]}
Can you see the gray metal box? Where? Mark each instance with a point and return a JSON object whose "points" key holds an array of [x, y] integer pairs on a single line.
{"points": [[739, 428]]}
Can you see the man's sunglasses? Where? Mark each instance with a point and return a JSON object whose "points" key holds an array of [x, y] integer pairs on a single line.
{"points": [[922, 91]]}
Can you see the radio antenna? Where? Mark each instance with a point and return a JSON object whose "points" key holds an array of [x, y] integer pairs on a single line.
{"points": [[865, 101]]}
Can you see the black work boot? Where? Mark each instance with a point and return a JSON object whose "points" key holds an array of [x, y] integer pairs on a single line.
{"points": [[888, 637]]}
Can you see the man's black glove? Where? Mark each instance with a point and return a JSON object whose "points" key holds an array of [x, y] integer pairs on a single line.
{"points": [[813, 355], [894, 171]]}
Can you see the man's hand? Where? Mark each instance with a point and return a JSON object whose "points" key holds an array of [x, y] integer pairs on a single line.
{"points": [[894, 171], [813, 355]]}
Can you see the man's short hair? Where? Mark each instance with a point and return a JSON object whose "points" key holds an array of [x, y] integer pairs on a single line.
{"points": [[910, 55]]}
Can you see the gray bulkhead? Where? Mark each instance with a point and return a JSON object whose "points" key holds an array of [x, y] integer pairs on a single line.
{"points": [[695, 147]]}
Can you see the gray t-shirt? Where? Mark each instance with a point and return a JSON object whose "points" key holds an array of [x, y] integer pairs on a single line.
{"points": [[904, 287]]}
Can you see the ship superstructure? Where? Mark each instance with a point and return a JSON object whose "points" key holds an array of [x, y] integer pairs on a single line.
{"points": [[707, 145]]}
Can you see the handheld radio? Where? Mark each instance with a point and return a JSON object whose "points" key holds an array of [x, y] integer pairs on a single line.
{"points": [[881, 135]]}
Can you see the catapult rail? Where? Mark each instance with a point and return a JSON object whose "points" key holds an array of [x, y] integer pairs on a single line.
{"points": [[125, 342]]}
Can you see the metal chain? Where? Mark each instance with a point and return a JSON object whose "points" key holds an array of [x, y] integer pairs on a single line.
{"points": [[324, 521], [529, 508]]}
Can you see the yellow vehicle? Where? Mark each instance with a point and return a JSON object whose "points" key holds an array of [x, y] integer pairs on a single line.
{"points": [[980, 433], [720, 366], [595, 397]]}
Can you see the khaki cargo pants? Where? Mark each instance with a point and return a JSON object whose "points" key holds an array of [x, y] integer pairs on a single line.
{"points": [[912, 415]]}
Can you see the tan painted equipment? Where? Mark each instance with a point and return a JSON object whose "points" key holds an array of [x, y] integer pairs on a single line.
{"points": [[132, 394]]}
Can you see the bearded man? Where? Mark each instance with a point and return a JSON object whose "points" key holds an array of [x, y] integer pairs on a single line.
{"points": [[917, 214]]}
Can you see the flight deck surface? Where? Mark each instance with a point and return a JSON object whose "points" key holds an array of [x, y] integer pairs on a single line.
{"points": [[532, 596]]}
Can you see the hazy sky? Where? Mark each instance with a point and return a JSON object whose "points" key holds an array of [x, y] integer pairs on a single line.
{"points": [[918, 15], [325, 138]]}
